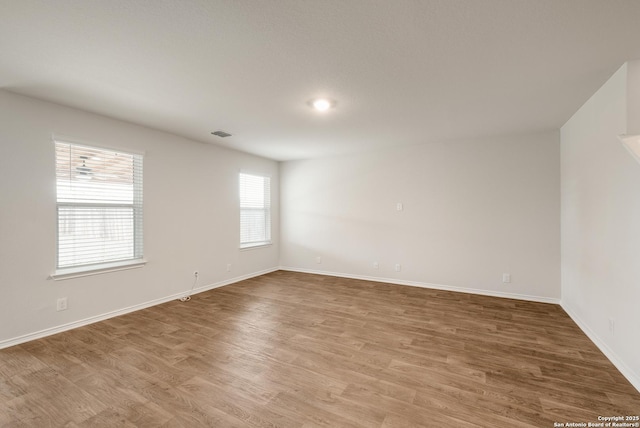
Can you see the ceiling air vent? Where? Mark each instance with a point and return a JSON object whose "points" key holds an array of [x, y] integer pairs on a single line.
{"points": [[221, 134]]}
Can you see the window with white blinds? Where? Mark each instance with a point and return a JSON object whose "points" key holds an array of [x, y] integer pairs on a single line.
{"points": [[255, 210], [99, 202]]}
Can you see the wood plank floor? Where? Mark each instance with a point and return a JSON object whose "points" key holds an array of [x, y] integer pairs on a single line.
{"points": [[298, 350]]}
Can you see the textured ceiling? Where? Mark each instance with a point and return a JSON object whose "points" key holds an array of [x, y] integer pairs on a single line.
{"points": [[401, 71]]}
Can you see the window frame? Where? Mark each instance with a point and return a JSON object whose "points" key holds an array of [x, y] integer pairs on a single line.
{"points": [[137, 207], [266, 208]]}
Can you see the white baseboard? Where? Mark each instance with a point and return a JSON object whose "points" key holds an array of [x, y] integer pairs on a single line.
{"points": [[626, 371], [80, 323], [516, 296]]}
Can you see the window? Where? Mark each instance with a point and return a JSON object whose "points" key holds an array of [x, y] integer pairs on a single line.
{"points": [[99, 203], [255, 210]]}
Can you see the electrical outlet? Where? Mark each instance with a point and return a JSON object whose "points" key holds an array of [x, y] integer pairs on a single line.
{"points": [[506, 277], [376, 265], [398, 267], [318, 259], [61, 304], [228, 267], [399, 206]]}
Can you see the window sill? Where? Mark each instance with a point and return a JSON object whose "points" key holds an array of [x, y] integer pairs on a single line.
{"points": [[255, 246], [70, 273]]}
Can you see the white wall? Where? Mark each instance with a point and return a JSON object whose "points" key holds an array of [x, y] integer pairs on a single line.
{"points": [[190, 208], [633, 97], [473, 210], [601, 223]]}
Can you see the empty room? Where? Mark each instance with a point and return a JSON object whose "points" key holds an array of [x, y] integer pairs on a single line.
{"points": [[296, 213]]}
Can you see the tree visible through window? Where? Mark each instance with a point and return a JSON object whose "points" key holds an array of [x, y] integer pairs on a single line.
{"points": [[99, 202], [255, 210]]}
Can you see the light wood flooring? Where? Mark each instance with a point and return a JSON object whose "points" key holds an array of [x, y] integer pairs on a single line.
{"points": [[298, 350]]}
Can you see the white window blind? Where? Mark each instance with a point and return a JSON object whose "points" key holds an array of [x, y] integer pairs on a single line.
{"points": [[99, 201], [255, 210]]}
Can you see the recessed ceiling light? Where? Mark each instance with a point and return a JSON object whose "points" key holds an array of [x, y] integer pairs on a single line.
{"points": [[322, 104]]}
